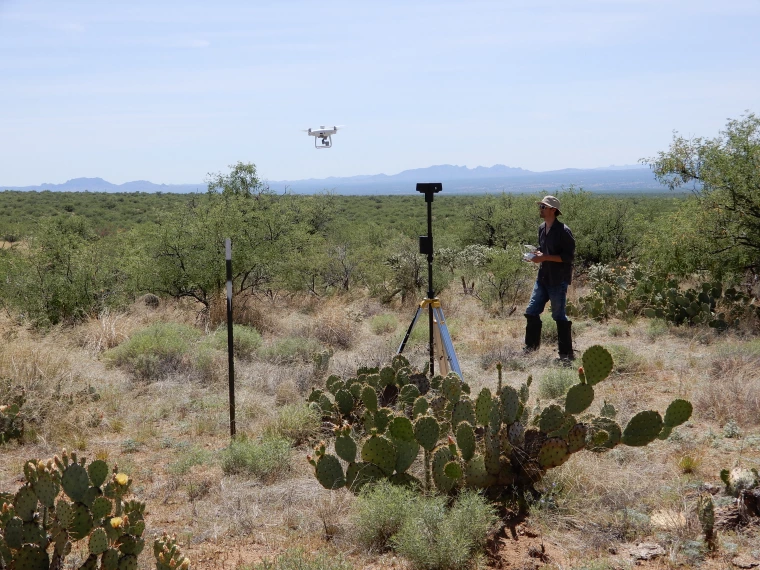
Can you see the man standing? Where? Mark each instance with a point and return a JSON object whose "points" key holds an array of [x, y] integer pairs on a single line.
{"points": [[556, 250]]}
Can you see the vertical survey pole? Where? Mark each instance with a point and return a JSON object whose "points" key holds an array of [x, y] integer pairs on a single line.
{"points": [[429, 189], [230, 355]]}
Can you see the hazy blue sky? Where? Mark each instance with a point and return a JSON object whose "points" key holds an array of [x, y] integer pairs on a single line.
{"points": [[168, 91]]}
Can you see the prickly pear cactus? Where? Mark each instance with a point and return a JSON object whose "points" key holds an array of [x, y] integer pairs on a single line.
{"points": [[11, 423], [168, 554], [65, 500]]}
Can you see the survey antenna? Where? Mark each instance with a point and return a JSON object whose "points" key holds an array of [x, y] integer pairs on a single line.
{"points": [[441, 347]]}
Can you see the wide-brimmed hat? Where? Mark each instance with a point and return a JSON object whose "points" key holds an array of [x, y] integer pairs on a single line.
{"points": [[552, 202]]}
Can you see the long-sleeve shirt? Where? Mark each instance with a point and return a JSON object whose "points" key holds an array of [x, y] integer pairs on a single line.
{"points": [[558, 240]]}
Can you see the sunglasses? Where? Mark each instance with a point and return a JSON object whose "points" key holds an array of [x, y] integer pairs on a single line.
{"points": [[544, 207]]}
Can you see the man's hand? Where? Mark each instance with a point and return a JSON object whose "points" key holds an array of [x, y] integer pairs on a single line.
{"points": [[541, 257]]}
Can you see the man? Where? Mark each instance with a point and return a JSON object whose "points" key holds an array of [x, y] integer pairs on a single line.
{"points": [[556, 250]]}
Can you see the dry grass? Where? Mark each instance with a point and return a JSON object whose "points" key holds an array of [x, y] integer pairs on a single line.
{"points": [[170, 434]]}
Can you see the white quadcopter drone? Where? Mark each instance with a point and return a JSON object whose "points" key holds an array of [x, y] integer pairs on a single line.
{"points": [[323, 134]]}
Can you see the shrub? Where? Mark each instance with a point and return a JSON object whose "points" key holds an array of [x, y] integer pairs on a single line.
{"points": [[383, 324], [290, 350], [656, 328], [556, 382], [245, 341], [379, 512], [295, 422], [548, 329], [297, 560], [187, 458], [267, 458], [626, 360], [154, 352], [434, 538]]}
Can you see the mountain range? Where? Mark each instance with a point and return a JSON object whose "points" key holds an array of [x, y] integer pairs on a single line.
{"points": [[455, 179]]}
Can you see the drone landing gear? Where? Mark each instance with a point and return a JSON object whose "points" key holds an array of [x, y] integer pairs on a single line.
{"points": [[443, 353]]}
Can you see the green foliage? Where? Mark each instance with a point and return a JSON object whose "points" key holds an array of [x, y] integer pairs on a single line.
{"points": [[438, 538], [379, 512], [11, 422], [267, 458], [383, 324], [154, 352], [188, 458], [245, 341], [724, 177], [555, 382], [290, 349], [295, 422], [296, 559]]}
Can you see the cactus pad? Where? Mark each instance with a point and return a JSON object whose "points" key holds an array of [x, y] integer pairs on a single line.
{"points": [[380, 451], [510, 404], [643, 428], [359, 474], [427, 432], [31, 557], [516, 433], [64, 513], [554, 452], [420, 407], [382, 418], [101, 507], [46, 489], [98, 542], [399, 361], [401, 428], [483, 404], [387, 376], [81, 522], [345, 448], [579, 398], [453, 470], [406, 453], [128, 562], [608, 411], [369, 397], [442, 456], [475, 473], [345, 401], [25, 503], [329, 472], [462, 412], [409, 394], [552, 417], [576, 438], [678, 412], [98, 472], [466, 440], [597, 364], [451, 387]]}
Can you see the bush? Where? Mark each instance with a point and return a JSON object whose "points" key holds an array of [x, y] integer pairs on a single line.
{"points": [[154, 352], [379, 512], [290, 350], [556, 382], [434, 538], [548, 328], [245, 341], [187, 458], [383, 324], [656, 328], [626, 361], [295, 422], [266, 459]]}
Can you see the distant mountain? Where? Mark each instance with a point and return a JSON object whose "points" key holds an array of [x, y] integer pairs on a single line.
{"points": [[455, 179], [100, 185]]}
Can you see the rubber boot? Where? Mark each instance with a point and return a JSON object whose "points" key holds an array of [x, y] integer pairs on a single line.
{"points": [[565, 342], [532, 333]]}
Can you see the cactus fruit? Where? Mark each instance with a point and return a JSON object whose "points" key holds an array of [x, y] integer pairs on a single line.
{"points": [[466, 440], [678, 412], [579, 398], [380, 451], [597, 364], [329, 472]]}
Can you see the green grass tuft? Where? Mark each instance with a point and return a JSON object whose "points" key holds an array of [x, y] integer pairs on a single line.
{"points": [[266, 459]]}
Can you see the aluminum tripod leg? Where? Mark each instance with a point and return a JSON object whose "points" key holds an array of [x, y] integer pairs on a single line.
{"points": [[447, 348]]}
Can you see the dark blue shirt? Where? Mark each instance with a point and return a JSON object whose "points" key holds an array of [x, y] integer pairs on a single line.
{"points": [[558, 240]]}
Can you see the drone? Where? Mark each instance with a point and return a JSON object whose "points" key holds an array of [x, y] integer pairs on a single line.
{"points": [[324, 135]]}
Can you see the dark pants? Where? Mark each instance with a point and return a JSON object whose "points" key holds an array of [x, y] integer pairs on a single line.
{"points": [[557, 295]]}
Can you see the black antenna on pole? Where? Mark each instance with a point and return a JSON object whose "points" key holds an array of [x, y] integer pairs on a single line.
{"points": [[438, 332]]}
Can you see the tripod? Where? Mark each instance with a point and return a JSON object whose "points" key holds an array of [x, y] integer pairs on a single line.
{"points": [[439, 337]]}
